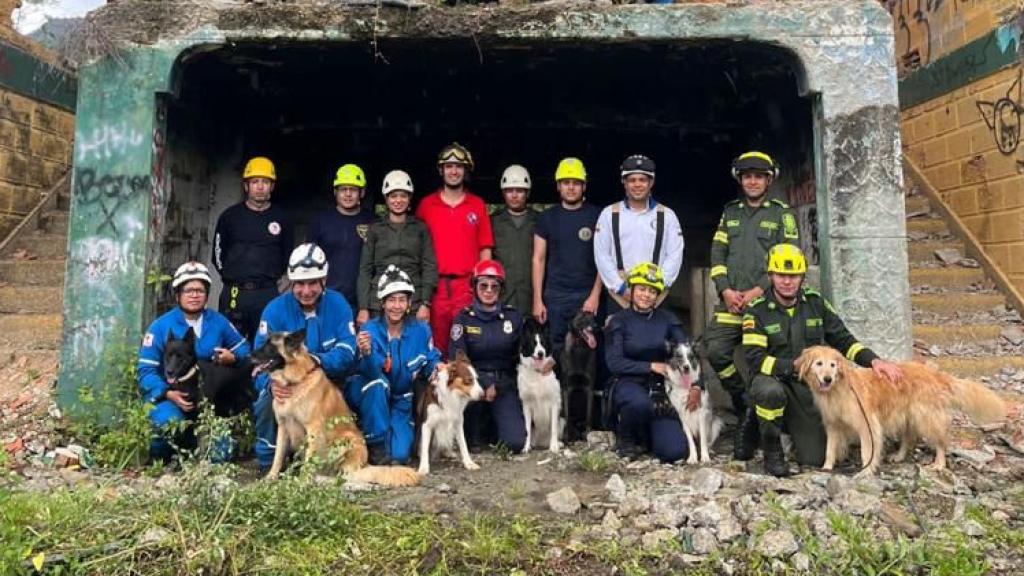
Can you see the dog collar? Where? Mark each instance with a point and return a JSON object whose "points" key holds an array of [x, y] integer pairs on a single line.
{"points": [[191, 372]]}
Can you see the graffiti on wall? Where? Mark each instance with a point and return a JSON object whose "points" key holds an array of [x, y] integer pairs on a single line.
{"points": [[89, 337], [919, 24], [105, 142], [1003, 118], [803, 198], [101, 258], [110, 192]]}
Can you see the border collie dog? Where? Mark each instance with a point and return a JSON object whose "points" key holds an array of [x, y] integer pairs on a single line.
{"points": [[700, 424], [538, 387]]}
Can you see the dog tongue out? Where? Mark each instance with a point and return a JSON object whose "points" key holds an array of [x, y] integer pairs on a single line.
{"points": [[591, 341], [687, 380]]}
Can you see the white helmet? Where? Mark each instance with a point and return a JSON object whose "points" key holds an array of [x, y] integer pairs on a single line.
{"points": [[307, 262], [393, 280], [397, 180], [515, 176], [191, 271]]}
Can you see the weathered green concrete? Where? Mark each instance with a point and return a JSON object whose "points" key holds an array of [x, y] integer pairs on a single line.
{"points": [[975, 60], [844, 49], [29, 76]]}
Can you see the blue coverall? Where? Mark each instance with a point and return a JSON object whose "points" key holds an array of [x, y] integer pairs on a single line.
{"points": [[490, 338], [381, 393], [330, 336], [215, 332], [633, 341]]}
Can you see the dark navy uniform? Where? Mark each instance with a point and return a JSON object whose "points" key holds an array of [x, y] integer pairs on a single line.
{"points": [[491, 340], [633, 340], [250, 251]]}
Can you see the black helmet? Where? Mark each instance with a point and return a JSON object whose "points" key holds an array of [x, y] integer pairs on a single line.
{"points": [[637, 164], [754, 162]]}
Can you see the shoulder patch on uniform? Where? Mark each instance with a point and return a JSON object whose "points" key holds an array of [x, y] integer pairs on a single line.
{"points": [[147, 340], [456, 332], [789, 227]]}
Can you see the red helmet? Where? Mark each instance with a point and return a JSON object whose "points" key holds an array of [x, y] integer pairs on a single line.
{"points": [[489, 268]]}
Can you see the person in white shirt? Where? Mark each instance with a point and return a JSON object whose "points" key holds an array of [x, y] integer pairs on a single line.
{"points": [[637, 229]]}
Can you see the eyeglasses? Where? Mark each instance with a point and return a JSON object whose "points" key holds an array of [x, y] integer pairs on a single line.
{"points": [[489, 286], [194, 291]]}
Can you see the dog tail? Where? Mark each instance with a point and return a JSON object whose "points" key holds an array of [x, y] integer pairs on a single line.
{"points": [[716, 429], [385, 475], [981, 404]]}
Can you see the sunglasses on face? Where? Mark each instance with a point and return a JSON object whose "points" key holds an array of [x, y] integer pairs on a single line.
{"points": [[489, 286]]}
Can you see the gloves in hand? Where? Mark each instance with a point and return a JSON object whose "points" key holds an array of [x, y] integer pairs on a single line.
{"points": [[659, 400]]}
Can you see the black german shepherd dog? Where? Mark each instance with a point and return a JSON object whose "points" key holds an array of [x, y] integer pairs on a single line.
{"points": [[228, 387], [579, 370]]}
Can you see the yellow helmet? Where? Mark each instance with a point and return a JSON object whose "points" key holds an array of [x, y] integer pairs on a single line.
{"points": [[350, 175], [786, 259], [571, 169], [259, 167], [754, 161], [647, 274]]}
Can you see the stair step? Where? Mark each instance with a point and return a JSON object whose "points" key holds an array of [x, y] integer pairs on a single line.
{"points": [[977, 367], [917, 203], [33, 272], [946, 277], [32, 358], [55, 222], [23, 332], [927, 225], [44, 246], [966, 303], [31, 300], [953, 333], [924, 251]]}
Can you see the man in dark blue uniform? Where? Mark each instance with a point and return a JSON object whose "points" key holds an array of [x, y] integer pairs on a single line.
{"points": [[341, 231], [565, 278], [488, 332], [636, 354], [250, 248]]}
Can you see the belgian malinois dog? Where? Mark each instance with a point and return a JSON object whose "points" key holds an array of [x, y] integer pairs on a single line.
{"points": [[316, 413]]}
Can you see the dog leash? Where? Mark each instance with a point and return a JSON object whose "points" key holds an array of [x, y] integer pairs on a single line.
{"points": [[868, 422]]}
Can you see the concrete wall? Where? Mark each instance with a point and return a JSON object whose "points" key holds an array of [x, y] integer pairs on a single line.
{"points": [[121, 197], [961, 105], [36, 123]]}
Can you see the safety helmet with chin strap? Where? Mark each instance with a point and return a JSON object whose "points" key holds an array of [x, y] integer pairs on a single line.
{"points": [[647, 274], [392, 281], [307, 262], [754, 161]]}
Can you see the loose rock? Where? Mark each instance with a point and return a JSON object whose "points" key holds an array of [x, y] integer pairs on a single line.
{"points": [[652, 541], [564, 501], [616, 487], [777, 544], [707, 481], [704, 541]]}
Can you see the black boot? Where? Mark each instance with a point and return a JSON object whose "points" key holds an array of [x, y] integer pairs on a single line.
{"points": [[378, 454], [745, 443], [628, 449], [771, 445]]}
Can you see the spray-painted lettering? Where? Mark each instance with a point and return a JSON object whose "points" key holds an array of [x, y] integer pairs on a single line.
{"points": [[101, 258], [107, 141], [110, 192]]}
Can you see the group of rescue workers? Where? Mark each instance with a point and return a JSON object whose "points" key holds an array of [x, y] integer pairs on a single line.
{"points": [[452, 277]]}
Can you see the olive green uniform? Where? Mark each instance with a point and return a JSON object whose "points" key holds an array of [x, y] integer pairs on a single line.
{"points": [[513, 247], [773, 336], [738, 253], [408, 246]]}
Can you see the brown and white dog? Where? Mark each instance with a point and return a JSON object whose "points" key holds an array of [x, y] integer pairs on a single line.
{"points": [[440, 412], [316, 413], [855, 403]]}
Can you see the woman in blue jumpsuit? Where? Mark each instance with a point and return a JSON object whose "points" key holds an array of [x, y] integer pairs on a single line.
{"points": [[395, 350], [488, 333], [216, 340], [636, 353]]}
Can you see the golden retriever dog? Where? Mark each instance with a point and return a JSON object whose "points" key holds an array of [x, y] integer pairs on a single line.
{"points": [[855, 403], [316, 413]]}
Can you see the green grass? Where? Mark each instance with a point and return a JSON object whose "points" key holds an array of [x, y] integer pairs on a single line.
{"points": [[594, 461]]}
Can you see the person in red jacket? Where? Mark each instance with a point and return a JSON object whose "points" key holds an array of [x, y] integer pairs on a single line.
{"points": [[461, 231]]}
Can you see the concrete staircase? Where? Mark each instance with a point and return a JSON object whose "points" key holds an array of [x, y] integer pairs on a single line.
{"points": [[32, 293], [961, 321]]}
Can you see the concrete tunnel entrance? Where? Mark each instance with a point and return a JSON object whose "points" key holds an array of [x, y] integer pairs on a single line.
{"points": [[692, 106]]}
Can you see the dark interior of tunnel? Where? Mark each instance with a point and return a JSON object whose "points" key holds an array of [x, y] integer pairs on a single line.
{"points": [[691, 106]]}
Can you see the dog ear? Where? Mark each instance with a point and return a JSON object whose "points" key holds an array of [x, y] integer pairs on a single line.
{"points": [[802, 365], [295, 340]]}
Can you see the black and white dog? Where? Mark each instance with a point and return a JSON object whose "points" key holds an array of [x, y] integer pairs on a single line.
{"points": [[228, 387], [538, 387], [700, 424], [578, 370]]}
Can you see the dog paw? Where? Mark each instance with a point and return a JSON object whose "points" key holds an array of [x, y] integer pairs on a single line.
{"points": [[423, 471], [692, 459], [526, 449], [555, 448], [470, 465]]}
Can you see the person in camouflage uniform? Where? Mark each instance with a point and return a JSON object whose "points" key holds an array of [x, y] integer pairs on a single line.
{"points": [[749, 227], [513, 238], [777, 328]]}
